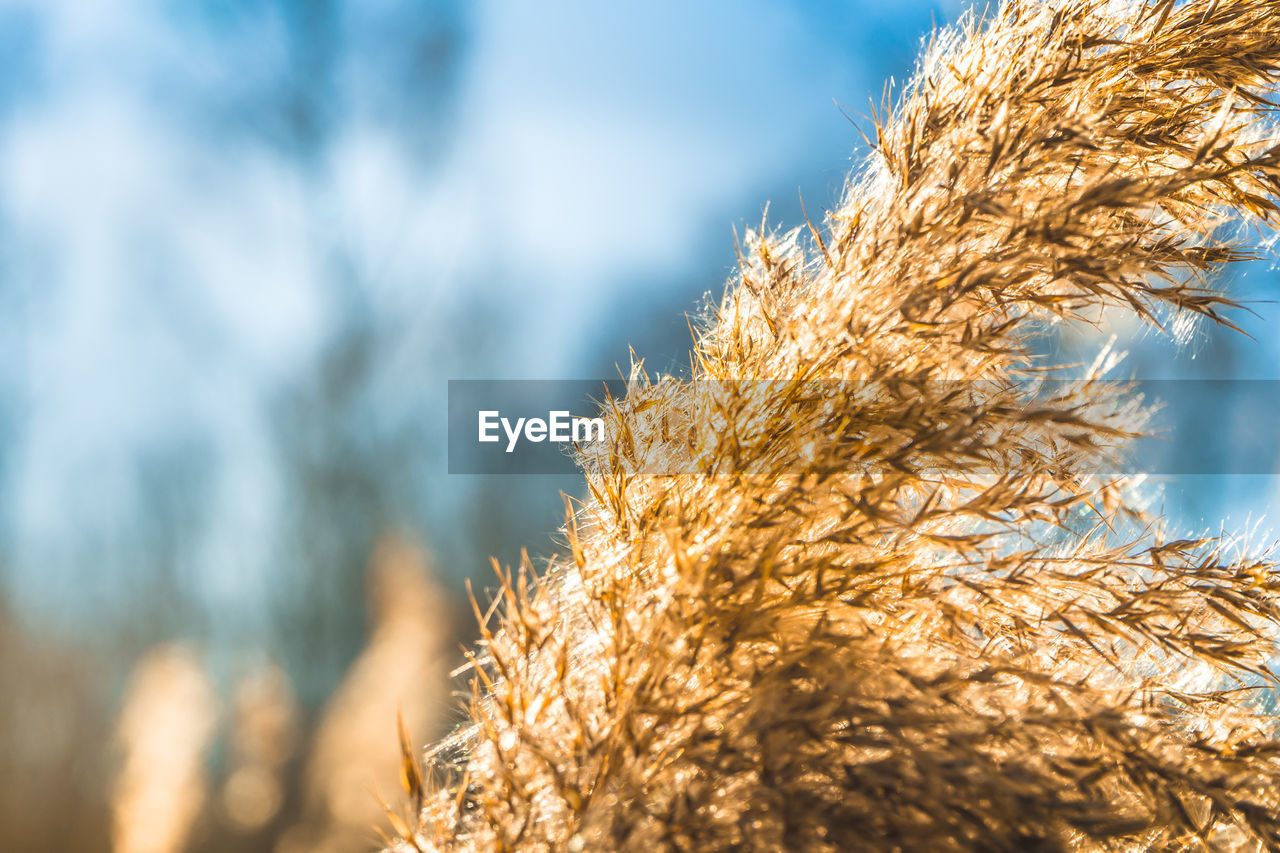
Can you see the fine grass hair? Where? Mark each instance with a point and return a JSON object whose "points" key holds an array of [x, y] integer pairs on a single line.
{"points": [[891, 603]]}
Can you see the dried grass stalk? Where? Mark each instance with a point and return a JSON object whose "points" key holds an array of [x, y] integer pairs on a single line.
{"points": [[936, 628], [166, 727], [353, 762]]}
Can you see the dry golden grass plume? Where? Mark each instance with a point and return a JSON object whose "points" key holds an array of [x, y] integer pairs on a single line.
{"points": [[165, 730], [882, 598], [263, 738], [354, 762]]}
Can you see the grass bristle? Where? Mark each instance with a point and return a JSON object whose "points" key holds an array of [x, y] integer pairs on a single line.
{"points": [[938, 628]]}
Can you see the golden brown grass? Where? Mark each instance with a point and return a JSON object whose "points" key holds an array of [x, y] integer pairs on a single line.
{"points": [[165, 730], [353, 763], [263, 735], [898, 608]]}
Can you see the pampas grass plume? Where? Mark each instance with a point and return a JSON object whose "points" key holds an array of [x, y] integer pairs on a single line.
{"points": [[890, 602]]}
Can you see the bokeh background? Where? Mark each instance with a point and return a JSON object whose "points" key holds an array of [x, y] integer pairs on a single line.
{"points": [[243, 246]]}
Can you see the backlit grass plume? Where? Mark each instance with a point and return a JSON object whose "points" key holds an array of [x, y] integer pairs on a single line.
{"points": [[877, 595]]}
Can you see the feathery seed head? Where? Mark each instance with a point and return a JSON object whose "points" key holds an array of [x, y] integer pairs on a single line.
{"points": [[889, 602]]}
